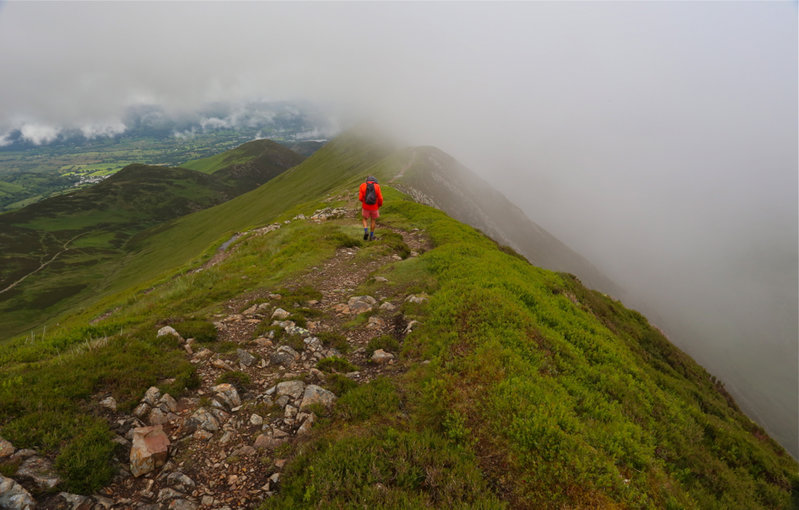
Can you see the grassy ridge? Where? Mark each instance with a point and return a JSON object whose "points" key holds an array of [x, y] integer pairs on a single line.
{"points": [[557, 395], [538, 392]]}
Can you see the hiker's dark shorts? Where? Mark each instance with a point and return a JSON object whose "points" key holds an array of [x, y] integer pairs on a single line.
{"points": [[370, 213]]}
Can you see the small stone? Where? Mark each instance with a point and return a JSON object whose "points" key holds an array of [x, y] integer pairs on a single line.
{"points": [[157, 417], [207, 500], [227, 436], [263, 342], [317, 395], [149, 451], [280, 314], [168, 330], [167, 494], [244, 451], [203, 419], [245, 358], [202, 435], [410, 327], [181, 504], [284, 356], [256, 419], [6, 448], [381, 279], [387, 306], [227, 394], [375, 323], [293, 389], [251, 310], [102, 502], [141, 410], [290, 412], [203, 354], [306, 425], [152, 396], [282, 401], [221, 365], [380, 356], [341, 309], [361, 304], [312, 343], [109, 403], [40, 471], [168, 403], [268, 441], [417, 298], [180, 482]]}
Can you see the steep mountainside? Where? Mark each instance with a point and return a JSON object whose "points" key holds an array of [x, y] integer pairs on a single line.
{"points": [[69, 245], [433, 177], [305, 368]]}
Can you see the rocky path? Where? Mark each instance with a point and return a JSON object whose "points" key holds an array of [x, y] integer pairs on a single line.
{"points": [[224, 445]]}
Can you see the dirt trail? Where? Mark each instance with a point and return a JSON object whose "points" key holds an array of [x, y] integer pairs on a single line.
{"points": [[239, 464], [43, 265], [406, 167]]}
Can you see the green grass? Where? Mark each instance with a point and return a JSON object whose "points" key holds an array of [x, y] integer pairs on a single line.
{"points": [[553, 403], [241, 380], [201, 331], [538, 393]]}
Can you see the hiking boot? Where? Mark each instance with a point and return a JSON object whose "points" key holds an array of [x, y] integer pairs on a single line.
{"points": [[372, 236], [365, 236]]}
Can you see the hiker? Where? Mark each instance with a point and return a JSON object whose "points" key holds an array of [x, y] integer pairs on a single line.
{"points": [[372, 199]]}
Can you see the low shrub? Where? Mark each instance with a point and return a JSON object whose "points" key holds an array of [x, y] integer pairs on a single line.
{"points": [[336, 364], [240, 380], [385, 342]]}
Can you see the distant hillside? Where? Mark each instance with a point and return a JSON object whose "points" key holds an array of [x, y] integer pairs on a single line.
{"points": [[435, 178], [305, 368], [70, 244]]}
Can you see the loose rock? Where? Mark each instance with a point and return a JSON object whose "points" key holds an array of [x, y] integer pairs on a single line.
{"points": [[6, 448], [13, 496], [280, 314], [293, 389], [152, 396], [109, 403], [317, 395], [284, 356], [40, 471], [168, 330], [361, 304], [227, 394], [380, 356], [149, 451], [245, 358]]}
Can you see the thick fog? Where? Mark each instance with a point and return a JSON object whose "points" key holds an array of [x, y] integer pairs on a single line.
{"points": [[657, 139]]}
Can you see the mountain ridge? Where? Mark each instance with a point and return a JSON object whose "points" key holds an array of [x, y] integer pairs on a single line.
{"points": [[511, 386]]}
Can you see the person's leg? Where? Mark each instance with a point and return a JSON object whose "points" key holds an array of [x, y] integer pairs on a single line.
{"points": [[365, 227], [374, 224]]}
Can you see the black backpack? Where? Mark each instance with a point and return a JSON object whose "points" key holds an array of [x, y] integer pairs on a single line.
{"points": [[370, 197]]}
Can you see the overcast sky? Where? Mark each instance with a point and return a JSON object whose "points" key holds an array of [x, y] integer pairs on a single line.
{"points": [[657, 139]]}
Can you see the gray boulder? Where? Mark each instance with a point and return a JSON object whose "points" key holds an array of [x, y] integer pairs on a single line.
{"points": [[13, 496], [317, 395]]}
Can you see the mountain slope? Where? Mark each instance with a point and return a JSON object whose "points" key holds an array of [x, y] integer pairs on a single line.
{"points": [[434, 178], [66, 246], [515, 387]]}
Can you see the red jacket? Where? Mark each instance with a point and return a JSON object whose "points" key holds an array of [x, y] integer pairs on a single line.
{"points": [[362, 193]]}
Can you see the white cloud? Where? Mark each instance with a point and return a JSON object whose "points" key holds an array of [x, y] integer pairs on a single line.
{"points": [[4, 140], [39, 133], [106, 129]]}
